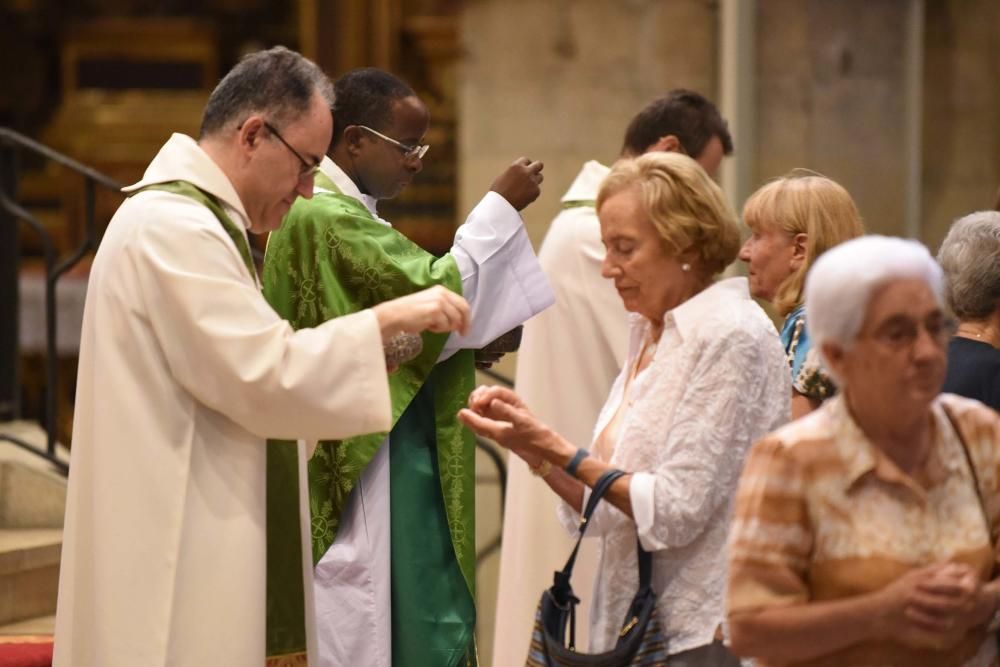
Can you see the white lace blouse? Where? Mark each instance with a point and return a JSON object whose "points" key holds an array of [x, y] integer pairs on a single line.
{"points": [[718, 381]]}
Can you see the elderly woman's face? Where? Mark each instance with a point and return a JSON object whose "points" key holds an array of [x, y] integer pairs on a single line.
{"points": [[898, 359], [649, 281], [771, 256]]}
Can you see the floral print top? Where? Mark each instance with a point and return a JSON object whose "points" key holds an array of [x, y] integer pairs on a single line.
{"points": [[809, 378]]}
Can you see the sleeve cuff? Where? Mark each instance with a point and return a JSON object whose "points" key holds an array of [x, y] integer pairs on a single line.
{"points": [[365, 338], [489, 227], [381, 401], [642, 495], [570, 518]]}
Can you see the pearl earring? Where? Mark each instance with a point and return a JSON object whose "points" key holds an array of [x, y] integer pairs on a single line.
{"points": [[685, 267]]}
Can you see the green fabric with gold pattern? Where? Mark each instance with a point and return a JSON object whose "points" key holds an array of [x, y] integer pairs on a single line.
{"points": [[332, 257]]}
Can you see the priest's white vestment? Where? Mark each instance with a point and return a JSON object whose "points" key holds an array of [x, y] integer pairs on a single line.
{"points": [[184, 371], [569, 358]]}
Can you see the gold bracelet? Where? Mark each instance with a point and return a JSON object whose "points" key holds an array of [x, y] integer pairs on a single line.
{"points": [[542, 469]]}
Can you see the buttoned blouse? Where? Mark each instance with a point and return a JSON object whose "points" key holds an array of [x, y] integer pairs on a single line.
{"points": [[823, 514], [717, 382]]}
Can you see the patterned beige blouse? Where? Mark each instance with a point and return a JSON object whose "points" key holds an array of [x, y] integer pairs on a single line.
{"points": [[822, 514]]}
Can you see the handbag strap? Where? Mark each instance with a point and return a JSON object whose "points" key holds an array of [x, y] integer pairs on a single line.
{"points": [[602, 486], [561, 587], [972, 470], [645, 565]]}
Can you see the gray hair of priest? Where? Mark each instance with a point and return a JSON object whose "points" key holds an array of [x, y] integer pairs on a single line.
{"points": [[970, 259], [277, 83], [843, 280]]}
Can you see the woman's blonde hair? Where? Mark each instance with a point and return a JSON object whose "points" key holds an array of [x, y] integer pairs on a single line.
{"points": [[685, 206], [803, 203]]}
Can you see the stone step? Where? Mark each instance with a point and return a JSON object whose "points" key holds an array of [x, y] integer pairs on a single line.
{"points": [[29, 572], [40, 626], [31, 496]]}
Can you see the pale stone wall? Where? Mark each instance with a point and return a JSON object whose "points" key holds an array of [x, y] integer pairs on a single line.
{"points": [[961, 129], [559, 81], [830, 98]]}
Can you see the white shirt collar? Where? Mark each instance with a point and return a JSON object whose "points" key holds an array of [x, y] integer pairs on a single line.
{"points": [[182, 159], [333, 171], [701, 306], [587, 182]]}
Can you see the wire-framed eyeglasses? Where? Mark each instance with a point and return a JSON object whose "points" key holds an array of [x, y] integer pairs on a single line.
{"points": [[409, 152], [307, 168]]}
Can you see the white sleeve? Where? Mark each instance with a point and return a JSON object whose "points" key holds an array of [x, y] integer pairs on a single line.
{"points": [[501, 277], [226, 346]]}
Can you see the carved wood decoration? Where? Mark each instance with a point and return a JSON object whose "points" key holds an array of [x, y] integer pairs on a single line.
{"points": [[417, 41]]}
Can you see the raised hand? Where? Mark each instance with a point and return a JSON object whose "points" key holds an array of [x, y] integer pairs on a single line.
{"points": [[519, 183], [436, 309]]}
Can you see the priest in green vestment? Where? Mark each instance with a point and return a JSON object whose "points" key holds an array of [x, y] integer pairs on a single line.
{"points": [[390, 516]]}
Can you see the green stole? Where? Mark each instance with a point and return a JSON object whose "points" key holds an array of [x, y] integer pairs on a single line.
{"points": [[332, 257], [209, 201]]}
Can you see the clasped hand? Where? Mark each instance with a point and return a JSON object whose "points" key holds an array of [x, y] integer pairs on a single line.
{"points": [[934, 606]]}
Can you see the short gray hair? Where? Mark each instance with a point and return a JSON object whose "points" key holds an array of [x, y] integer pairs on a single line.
{"points": [[970, 258], [279, 83], [842, 281]]}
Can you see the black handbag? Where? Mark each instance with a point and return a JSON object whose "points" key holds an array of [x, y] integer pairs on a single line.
{"points": [[641, 641]]}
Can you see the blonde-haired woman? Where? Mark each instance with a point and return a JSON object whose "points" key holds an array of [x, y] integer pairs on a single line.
{"points": [[793, 220], [704, 377]]}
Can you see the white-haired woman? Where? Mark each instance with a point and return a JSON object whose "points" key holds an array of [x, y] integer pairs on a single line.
{"points": [[858, 537], [704, 377], [970, 258]]}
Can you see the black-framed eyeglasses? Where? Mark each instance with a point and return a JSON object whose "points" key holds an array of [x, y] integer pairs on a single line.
{"points": [[307, 169], [409, 152]]}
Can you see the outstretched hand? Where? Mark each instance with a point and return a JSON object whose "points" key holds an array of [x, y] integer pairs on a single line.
{"points": [[499, 414], [519, 183]]}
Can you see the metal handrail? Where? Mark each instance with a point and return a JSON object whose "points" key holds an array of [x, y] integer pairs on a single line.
{"points": [[9, 136], [490, 450], [54, 270], [498, 377]]}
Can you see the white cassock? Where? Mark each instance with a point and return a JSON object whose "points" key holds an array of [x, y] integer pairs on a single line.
{"points": [[184, 371], [569, 359], [504, 285]]}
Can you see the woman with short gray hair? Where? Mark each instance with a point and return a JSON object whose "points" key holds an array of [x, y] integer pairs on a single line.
{"points": [[970, 258], [858, 536]]}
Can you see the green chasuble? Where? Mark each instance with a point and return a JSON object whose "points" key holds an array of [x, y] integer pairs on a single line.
{"points": [[331, 257]]}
